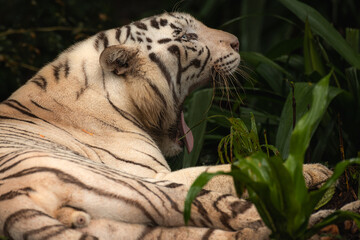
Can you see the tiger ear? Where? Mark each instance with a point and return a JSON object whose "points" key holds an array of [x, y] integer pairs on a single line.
{"points": [[118, 59]]}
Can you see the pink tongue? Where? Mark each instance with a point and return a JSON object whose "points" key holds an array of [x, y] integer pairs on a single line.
{"points": [[189, 139]]}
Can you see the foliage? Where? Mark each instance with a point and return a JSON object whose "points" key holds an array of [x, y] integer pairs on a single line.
{"points": [[299, 57], [278, 188]]}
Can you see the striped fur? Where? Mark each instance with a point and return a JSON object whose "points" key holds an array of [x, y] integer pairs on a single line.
{"points": [[83, 141]]}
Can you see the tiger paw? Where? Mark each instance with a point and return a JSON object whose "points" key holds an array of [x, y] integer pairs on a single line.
{"points": [[72, 217], [315, 175]]}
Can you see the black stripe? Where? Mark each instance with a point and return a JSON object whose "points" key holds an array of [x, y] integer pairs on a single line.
{"points": [[82, 90], [175, 27], [85, 236], [174, 205], [18, 103], [208, 234], [152, 157], [162, 67], [67, 68], [103, 78], [121, 159], [166, 74], [126, 115], [40, 81], [146, 187], [173, 185], [176, 51], [195, 62], [128, 30], [14, 193], [154, 23], [148, 230], [56, 71], [19, 161], [19, 215], [23, 111], [224, 217], [163, 22], [191, 49], [149, 140], [39, 106], [16, 119], [205, 62], [164, 40], [117, 34], [204, 214], [157, 92], [67, 178], [101, 37], [140, 25], [58, 227]]}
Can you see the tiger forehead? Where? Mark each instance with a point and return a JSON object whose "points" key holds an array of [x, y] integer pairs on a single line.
{"points": [[179, 20]]}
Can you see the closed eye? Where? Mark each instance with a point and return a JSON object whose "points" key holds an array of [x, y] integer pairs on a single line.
{"points": [[189, 36]]}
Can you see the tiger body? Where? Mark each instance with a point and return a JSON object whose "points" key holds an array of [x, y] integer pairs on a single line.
{"points": [[90, 130]]}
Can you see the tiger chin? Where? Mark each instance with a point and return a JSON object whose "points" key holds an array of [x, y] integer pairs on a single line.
{"points": [[82, 143]]}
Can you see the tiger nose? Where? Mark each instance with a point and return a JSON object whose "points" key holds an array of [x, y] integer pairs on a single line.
{"points": [[231, 40], [235, 45]]}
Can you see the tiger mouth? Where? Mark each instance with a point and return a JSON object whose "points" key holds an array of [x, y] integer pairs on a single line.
{"points": [[186, 136]]}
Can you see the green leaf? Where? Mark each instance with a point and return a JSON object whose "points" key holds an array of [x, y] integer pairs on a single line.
{"points": [[353, 38], [250, 37], [196, 118], [272, 76], [255, 59], [312, 59], [285, 47], [303, 97], [326, 197], [324, 29], [302, 133]]}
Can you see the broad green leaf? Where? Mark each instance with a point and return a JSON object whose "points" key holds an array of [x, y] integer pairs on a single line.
{"points": [[324, 29], [300, 137], [312, 59], [353, 38], [255, 59], [303, 93], [272, 76], [326, 197], [303, 98], [250, 37], [353, 79], [196, 116], [285, 47]]}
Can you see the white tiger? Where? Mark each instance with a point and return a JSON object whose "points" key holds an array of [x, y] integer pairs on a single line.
{"points": [[82, 143]]}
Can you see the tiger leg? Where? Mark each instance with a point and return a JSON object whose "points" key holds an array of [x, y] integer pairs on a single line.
{"points": [[315, 175], [23, 219], [108, 229], [103, 192]]}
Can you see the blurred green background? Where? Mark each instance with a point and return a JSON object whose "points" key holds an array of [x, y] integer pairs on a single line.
{"points": [[278, 49]]}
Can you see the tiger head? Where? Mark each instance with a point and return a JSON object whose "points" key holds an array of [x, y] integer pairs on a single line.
{"points": [[162, 59]]}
